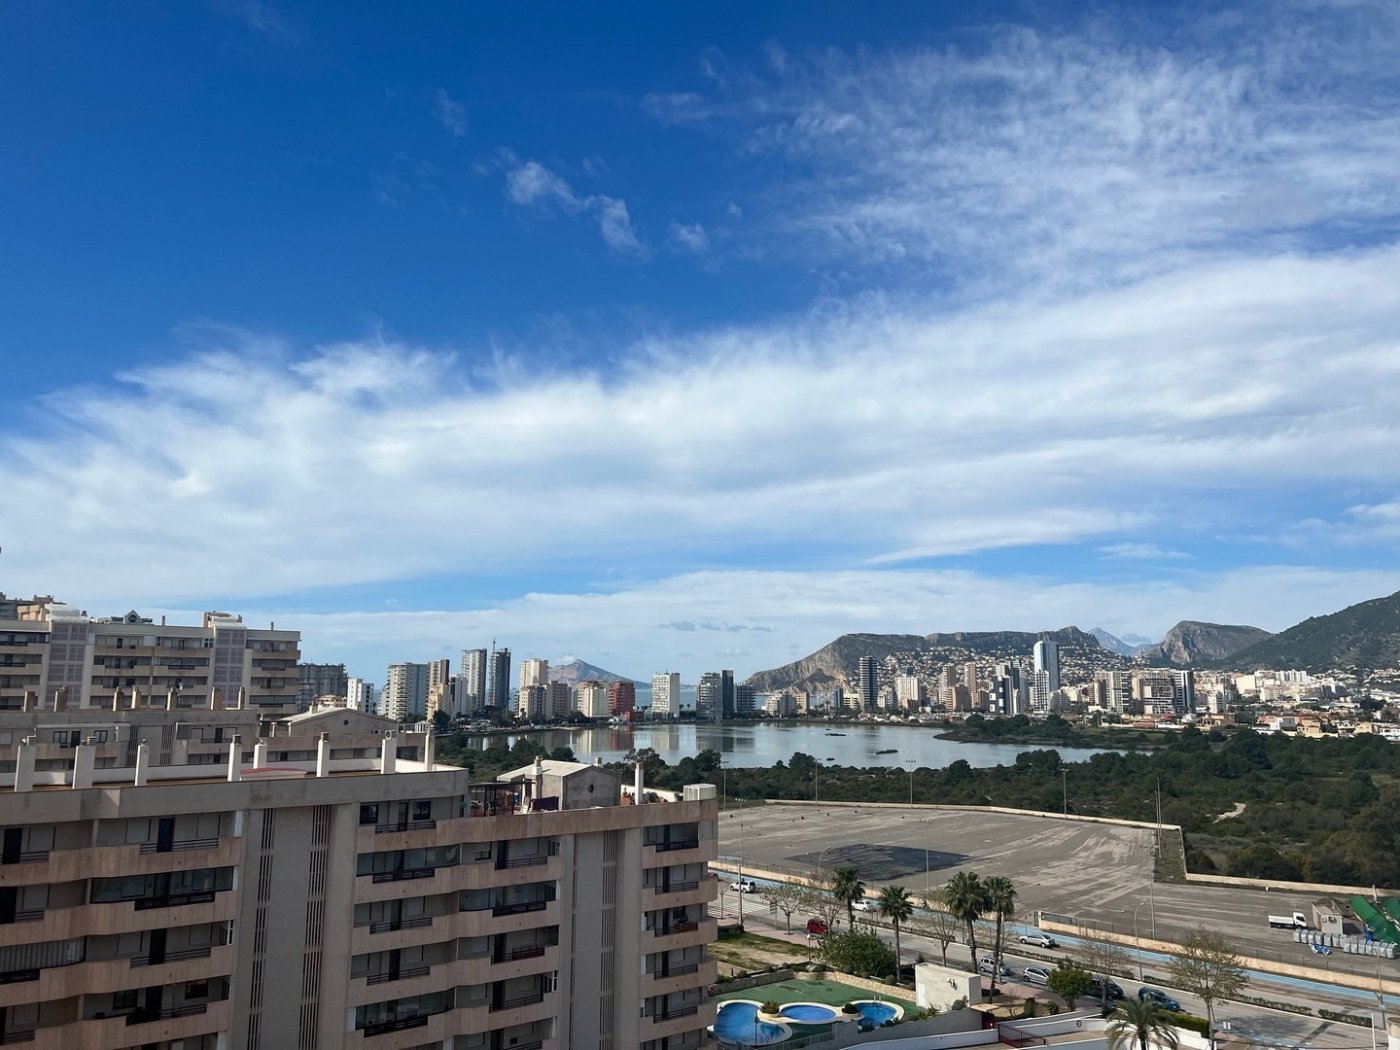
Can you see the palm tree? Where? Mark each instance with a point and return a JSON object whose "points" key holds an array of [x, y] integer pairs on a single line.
{"points": [[967, 900], [897, 906], [1001, 901], [847, 888], [1140, 1021]]}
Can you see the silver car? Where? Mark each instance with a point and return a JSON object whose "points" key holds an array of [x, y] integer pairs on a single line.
{"points": [[1036, 975]]}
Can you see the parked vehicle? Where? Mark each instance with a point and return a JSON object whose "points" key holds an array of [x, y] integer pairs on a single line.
{"points": [[866, 904], [1296, 921], [1036, 975], [986, 965], [816, 926], [1096, 989], [744, 886], [1159, 998], [1042, 940]]}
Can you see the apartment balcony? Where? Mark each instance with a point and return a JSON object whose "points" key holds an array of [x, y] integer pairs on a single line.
{"points": [[680, 978], [413, 882], [88, 920], [115, 975], [115, 1033], [412, 834], [410, 1032], [523, 962], [404, 933], [526, 1008], [518, 871], [100, 862], [677, 1020], [698, 891], [411, 981], [510, 918], [680, 935], [670, 854]]}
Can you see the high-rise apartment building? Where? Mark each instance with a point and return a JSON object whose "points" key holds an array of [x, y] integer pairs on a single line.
{"points": [[317, 680], [530, 703], [728, 700], [1118, 685], [361, 695], [405, 694], [1185, 694], [1154, 692], [666, 694], [471, 696], [58, 656], [534, 672], [622, 699], [708, 705], [592, 698], [326, 886], [867, 683], [560, 702], [1045, 655], [499, 689], [745, 701], [910, 692]]}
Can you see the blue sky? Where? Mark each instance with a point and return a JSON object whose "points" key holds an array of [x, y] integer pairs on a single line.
{"points": [[694, 336]]}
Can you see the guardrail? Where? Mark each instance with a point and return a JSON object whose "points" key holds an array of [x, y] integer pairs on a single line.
{"points": [[188, 953], [403, 975], [181, 846], [389, 925], [405, 825], [519, 1000], [679, 887]]}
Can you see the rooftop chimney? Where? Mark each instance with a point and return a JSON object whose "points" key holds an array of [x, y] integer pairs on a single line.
{"points": [[235, 755], [143, 758], [323, 755]]}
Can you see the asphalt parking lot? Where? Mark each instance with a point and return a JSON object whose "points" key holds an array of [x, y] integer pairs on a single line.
{"points": [[1097, 872]]}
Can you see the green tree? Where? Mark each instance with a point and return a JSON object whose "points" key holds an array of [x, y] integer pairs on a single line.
{"points": [[441, 722], [1208, 968], [847, 887], [1140, 1021], [820, 903], [1001, 901], [967, 900], [859, 952], [896, 905], [1069, 981]]}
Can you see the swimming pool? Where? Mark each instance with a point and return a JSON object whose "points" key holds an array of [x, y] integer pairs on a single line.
{"points": [[875, 1014], [738, 1020], [809, 1013]]}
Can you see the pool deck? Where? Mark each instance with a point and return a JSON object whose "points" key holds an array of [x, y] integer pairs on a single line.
{"points": [[797, 990]]}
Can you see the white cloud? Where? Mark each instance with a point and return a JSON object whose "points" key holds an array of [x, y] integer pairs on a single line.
{"points": [[257, 15], [451, 114], [802, 611], [532, 183], [690, 237], [1141, 552]]}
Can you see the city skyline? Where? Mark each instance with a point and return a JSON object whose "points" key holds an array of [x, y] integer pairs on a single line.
{"points": [[804, 322]]}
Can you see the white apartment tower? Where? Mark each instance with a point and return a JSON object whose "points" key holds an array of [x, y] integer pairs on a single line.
{"points": [[592, 699], [405, 695], [1046, 657], [473, 689], [534, 672], [360, 695], [666, 694]]}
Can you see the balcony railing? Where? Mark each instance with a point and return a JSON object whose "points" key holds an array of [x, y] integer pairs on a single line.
{"points": [[677, 971], [173, 900], [522, 862], [181, 846], [518, 907], [677, 927], [19, 976], [390, 925], [29, 856], [667, 847], [147, 1016], [29, 915], [403, 876], [519, 1000], [678, 887], [404, 974], [14, 1038], [180, 956], [676, 1011], [525, 951], [397, 1025], [405, 825]]}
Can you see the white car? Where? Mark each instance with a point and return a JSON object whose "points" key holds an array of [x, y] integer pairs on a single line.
{"points": [[1036, 975], [865, 904], [744, 886], [1043, 940]]}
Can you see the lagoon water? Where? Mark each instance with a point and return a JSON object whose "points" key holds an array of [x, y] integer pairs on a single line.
{"points": [[744, 744]]}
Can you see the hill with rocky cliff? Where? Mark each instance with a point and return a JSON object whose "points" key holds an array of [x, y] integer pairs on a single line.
{"points": [[1192, 642]]}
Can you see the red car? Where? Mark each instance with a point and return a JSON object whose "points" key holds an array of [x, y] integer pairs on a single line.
{"points": [[817, 926]]}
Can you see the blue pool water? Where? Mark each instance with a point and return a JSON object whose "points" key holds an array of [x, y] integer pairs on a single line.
{"points": [[876, 1014], [809, 1013], [738, 1020]]}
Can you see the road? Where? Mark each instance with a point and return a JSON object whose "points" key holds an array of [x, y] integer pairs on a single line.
{"points": [[1100, 873]]}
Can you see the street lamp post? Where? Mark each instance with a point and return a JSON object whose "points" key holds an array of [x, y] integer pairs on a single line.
{"points": [[1064, 786], [1136, 938], [741, 862], [910, 763]]}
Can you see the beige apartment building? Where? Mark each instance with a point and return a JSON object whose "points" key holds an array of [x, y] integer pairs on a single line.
{"points": [[215, 880], [59, 657]]}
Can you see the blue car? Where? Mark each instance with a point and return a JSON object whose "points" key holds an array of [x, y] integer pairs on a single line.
{"points": [[1159, 998]]}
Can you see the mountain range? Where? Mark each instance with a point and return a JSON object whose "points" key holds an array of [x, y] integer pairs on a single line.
{"points": [[1361, 637], [576, 671]]}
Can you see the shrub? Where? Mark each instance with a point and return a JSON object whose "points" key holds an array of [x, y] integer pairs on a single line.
{"points": [[1190, 1022], [770, 1006], [1052, 1008], [850, 1008], [1028, 1007], [959, 1004]]}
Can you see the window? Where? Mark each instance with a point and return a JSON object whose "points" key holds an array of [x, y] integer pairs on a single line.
{"points": [[196, 990], [369, 813], [422, 810], [124, 1000], [99, 736]]}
